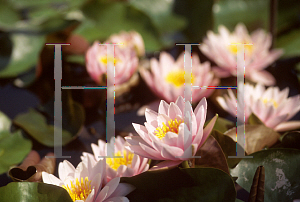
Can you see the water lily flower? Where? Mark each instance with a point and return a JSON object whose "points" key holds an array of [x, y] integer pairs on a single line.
{"points": [[125, 61], [167, 77], [272, 106], [129, 165], [162, 136], [130, 39], [257, 56], [85, 183]]}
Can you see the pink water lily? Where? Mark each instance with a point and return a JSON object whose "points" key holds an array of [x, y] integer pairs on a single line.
{"points": [[125, 60], [162, 136], [85, 183], [127, 166], [130, 39], [167, 80], [257, 56], [272, 106]]}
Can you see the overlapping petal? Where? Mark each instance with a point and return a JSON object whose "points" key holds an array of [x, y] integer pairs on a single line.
{"points": [[257, 56], [166, 79], [272, 106], [166, 136]]}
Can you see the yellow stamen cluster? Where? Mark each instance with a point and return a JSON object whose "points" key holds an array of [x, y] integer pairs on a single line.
{"points": [[266, 100], [115, 163], [173, 126], [233, 48], [104, 60], [177, 78], [79, 190]]}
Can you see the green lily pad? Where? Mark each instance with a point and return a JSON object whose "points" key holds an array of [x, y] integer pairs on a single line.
{"points": [[24, 54], [228, 146], [229, 13], [290, 43], [35, 124], [105, 19], [222, 125], [282, 179], [192, 184], [33, 192], [160, 14], [257, 137], [5, 122], [291, 140], [13, 149], [254, 120]]}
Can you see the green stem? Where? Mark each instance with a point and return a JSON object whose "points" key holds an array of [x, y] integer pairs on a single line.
{"points": [[185, 164]]}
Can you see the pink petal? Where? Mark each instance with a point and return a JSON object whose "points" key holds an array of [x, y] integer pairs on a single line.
{"points": [[208, 129], [122, 190], [166, 165], [151, 117], [51, 179], [180, 103], [263, 77], [286, 126], [65, 168], [171, 153], [163, 107], [174, 111]]}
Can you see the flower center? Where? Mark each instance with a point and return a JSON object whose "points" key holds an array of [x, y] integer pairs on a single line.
{"points": [[173, 126], [177, 78], [104, 60], [233, 48], [79, 190], [115, 163], [266, 100]]}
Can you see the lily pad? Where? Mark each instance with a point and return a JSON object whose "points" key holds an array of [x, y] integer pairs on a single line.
{"points": [[192, 184], [33, 192], [257, 137], [35, 124], [13, 149], [104, 19], [282, 179], [25, 53]]}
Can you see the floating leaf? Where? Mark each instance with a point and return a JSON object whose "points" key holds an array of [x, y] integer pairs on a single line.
{"points": [[228, 146], [35, 124], [291, 140], [257, 137], [33, 192], [104, 19], [282, 179], [223, 125], [24, 55], [254, 120], [211, 156], [199, 16], [192, 184], [13, 148], [258, 186], [243, 10], [31, 168], [290, 43], [5, 122], [161, 15]]}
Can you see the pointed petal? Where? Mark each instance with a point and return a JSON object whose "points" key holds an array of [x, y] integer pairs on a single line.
{"points": [[166, 165], [286, 126]]}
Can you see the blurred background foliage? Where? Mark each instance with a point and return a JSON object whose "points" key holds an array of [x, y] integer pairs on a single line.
{"points": [[27, 25]]}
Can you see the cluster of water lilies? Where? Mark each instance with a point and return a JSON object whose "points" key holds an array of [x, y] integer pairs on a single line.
{"points": [[166, 136]]}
